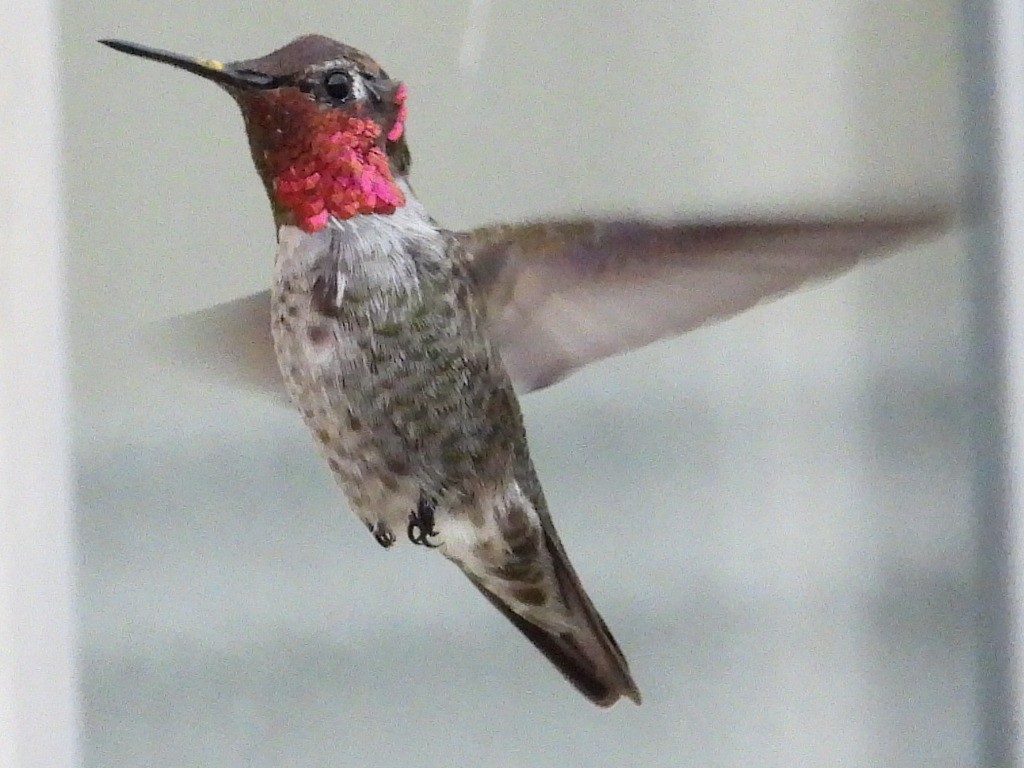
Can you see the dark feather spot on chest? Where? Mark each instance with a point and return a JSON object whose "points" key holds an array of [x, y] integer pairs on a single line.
{"points": [[324, 295], [318, 334]]}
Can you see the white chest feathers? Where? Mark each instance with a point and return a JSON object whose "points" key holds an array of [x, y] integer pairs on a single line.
{"points": [[375, 255]]}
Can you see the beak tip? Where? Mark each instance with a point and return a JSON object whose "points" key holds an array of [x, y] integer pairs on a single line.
{"points": [[119, 45], [211, 69]]}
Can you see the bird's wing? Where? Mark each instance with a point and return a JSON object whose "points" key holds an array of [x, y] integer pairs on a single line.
{"points": [[229, 343], [560, 295]]}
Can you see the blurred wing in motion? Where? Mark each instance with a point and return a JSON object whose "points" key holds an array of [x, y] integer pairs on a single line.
{"points": [[565, 294], [561, 295], [228, 343]]}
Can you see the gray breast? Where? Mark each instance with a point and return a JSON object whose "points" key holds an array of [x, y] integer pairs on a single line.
{"points": [[381, 351]]}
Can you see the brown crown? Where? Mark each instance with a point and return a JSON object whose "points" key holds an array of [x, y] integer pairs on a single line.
{"points": [[303, 52]]}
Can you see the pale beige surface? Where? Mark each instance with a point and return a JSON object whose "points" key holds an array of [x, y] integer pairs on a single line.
{"points": [[772, 514], [37, 670]]}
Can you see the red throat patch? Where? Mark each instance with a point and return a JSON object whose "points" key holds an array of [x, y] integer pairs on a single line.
{"points": [[322, 162], [401, 93]]}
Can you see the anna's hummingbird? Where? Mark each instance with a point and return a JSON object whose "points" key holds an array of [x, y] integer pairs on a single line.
{"points": [[399, 341]]}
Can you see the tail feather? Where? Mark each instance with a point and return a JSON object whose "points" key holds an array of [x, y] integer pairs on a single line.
{"points": [[581, 646]]}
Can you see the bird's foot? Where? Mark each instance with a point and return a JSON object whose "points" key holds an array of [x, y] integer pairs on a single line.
{"points": [[382, 534], [421, 524]]}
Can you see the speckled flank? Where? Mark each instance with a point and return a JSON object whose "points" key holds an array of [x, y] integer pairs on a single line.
{"points": [[381, 368]]}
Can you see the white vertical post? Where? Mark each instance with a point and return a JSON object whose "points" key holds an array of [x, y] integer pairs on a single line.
{"points": [[37, 700], [1008, 141], [994, 114]]}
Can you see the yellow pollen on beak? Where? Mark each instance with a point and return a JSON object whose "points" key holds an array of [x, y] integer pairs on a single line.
{"points": [[210, 64]]}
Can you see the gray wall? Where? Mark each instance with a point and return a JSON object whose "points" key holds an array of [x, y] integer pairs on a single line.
{"points": [[773, 514]]}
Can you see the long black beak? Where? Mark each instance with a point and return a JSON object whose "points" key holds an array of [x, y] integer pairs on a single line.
{"points": [[225, 74]]}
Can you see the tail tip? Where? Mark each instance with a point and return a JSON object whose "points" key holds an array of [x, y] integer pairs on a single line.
{"points": [[612, 695]]}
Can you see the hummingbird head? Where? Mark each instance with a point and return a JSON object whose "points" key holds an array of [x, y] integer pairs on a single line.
{"points": [[326, 126]]}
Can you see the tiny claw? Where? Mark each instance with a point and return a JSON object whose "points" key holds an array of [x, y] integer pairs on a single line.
{"points": [[382, 534], [421, 524]]}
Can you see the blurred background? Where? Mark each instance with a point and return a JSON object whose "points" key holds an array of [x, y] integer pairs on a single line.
{"points": [[773, 514]]}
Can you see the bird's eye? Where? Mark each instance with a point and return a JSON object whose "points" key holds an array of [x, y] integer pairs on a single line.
{"points": [[338, 86]]}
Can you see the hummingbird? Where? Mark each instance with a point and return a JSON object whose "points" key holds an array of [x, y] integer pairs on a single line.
{"points": [[403, 344]]}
